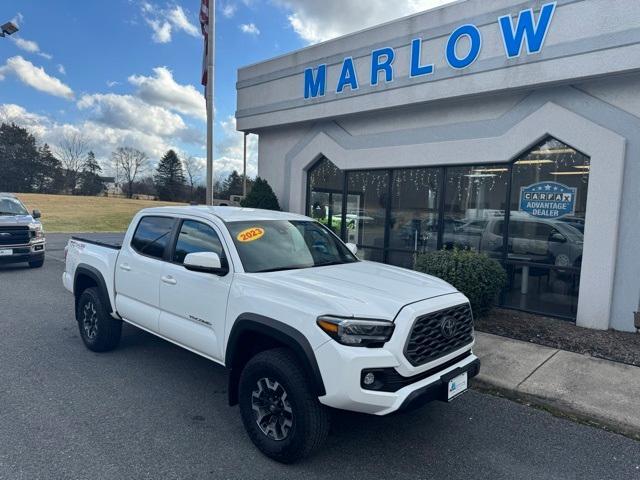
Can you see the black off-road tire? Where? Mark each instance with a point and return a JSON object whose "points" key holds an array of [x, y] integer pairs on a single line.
{"points": [[36, 263], [99, 331], [310, 419]]}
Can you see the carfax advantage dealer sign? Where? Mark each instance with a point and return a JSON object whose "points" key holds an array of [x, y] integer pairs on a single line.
{"points": [[548, 200]]}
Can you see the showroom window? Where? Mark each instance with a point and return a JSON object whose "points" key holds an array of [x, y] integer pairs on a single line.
{"points": [[326, 184], [528, 214]]}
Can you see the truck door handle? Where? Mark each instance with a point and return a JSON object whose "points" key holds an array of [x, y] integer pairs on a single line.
{"points": [[169, 280], [125, 267]]}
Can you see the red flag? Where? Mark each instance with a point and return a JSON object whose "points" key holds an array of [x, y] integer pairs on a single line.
{"points": [[204, 25]]}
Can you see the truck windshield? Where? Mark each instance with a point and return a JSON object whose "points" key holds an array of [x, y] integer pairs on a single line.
{"points": [[275, 245], [12, 206]]}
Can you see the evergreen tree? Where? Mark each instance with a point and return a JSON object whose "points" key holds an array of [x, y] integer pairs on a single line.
{"points": [[169, 178], [91, 182], [232, 185], [49, 177], [19, 158], [261, 196]]}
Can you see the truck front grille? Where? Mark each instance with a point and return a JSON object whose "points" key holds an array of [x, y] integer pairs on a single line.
{"points": [[438, 334], [14, 235]]}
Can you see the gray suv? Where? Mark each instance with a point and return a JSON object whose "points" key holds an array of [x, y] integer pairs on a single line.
{"points": [[21, 233]]}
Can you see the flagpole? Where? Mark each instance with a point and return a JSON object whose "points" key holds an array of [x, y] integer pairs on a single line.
{"points": [[211, 58]]}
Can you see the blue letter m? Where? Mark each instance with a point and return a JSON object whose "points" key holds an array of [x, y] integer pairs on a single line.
{"points": [[314, 86], [526, 27]]}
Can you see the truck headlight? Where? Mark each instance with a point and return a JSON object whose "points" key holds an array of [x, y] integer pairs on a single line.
{"points": [[356, 332], [37, 232]]}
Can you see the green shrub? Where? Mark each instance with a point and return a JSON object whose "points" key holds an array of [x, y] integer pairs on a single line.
{"points": [[261, 196], [476, 275]]}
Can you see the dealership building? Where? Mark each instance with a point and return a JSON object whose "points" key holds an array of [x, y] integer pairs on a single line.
{"points": [[508, 127]]}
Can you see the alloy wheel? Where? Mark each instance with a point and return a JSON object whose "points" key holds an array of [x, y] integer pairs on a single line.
{"points": [[272, 409], [90, 320]]}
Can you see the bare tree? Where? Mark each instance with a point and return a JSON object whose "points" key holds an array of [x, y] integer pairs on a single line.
{"points": [[131, 163], [72, 152], [193, 170]]}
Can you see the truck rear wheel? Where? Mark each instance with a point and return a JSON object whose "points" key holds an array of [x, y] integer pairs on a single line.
{"points": [[279, 407], [99, 331]]}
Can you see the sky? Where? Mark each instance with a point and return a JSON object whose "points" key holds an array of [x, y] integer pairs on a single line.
{"points": [[127, 72]]}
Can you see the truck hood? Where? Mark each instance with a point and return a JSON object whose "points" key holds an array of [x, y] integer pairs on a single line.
{"points": [[16, 220], [366, 289]]}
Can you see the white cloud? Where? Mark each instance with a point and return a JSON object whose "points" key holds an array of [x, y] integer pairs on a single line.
{"points": [[29, 46], [228, 10], [61, 69], [179, 20], [230, 151], [26, 45], [112, 83], [35, 77], [317, 21], [12, 113], [18, 19], [162, 90], [102, 138], [121, 121], [127, 112], [161, 30], [163, 21], [250, 28]]}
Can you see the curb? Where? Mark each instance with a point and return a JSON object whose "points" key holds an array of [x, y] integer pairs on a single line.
{"points": [[558, 408]]}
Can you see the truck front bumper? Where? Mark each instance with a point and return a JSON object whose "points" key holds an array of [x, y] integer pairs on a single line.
{"points": [[23, 253], [399, 384], [342, 372]]}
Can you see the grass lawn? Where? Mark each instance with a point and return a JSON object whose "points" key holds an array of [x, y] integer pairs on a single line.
{"points": [[70, 214]]}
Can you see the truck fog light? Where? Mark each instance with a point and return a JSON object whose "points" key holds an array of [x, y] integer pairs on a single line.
{"points": [[369, 379]]}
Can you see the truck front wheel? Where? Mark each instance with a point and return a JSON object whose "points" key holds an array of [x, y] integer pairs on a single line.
{"points": [[279, 407], [99, 331]]}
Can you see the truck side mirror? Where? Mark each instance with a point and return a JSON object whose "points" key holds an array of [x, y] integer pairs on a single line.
{"points": [[205, 262], [36, 214]]}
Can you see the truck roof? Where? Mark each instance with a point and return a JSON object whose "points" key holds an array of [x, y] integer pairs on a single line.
{"points": [[228, 214]]}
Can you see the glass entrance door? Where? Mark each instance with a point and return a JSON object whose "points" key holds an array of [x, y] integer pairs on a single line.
{"points": [[545, 232]]}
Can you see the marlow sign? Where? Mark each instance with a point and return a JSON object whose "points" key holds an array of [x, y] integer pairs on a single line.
{"points": [[525, 32]]}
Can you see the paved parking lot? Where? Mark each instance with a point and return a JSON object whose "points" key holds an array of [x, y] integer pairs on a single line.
{"points": [[152, 410]]}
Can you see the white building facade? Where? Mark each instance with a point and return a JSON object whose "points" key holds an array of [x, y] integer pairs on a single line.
{"points": [[508, 127]]}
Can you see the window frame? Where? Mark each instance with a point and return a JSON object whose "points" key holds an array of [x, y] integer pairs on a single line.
{"points": [[176, 235], [165, 257]]}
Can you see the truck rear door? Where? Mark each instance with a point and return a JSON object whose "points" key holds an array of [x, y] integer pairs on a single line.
{"points": [[139, 269]]}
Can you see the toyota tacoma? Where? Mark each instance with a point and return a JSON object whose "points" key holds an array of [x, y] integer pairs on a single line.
{"points": [[299, 321]]}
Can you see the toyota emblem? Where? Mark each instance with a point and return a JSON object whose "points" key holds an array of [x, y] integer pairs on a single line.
{"points": [[448, 327]]}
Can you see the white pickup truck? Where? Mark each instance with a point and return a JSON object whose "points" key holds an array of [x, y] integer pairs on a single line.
{"points": [[300, 322]]}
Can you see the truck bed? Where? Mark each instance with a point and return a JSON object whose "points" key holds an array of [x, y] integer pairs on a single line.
{"points": [[108, 240]]}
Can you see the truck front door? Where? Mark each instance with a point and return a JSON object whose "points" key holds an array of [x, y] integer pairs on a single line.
{"points": [[194, 304]]}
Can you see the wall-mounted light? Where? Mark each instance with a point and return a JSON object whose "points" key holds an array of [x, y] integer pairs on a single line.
{"points": [[569, 173], [544, 161]]}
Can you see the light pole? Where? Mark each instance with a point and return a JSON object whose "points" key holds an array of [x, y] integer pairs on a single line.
{"points": [[8, 28]]}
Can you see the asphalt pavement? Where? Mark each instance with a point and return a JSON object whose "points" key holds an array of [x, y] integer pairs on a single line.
{"points": [[151, 410]]}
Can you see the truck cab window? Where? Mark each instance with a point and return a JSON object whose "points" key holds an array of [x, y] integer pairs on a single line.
{"points": [[152, 236], [196, 237]]}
